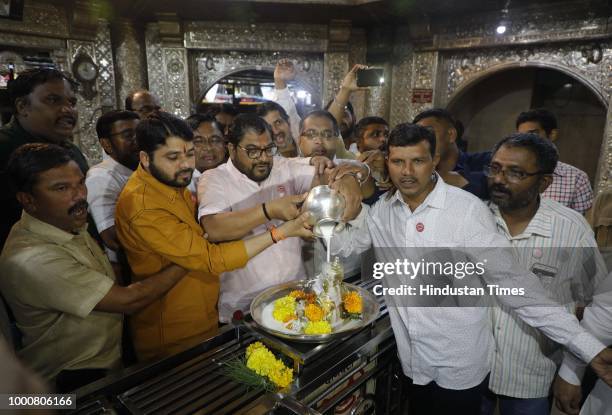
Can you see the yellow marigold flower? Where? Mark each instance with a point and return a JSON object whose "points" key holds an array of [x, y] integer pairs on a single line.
{"points": [[261, 361], [281, 377], [252, 347], [317, 327], [352, 302], [284, 309], [313, 312], [297, 294]]}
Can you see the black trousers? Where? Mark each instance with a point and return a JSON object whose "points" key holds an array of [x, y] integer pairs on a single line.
{"points": [[433, 399]]}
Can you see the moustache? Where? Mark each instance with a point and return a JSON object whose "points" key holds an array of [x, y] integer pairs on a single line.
{"points": [[81, 204], [261, 164], [178, 173], [500, 188], [68, 118]]}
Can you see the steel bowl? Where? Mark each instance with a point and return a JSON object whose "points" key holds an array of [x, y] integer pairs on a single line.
{"points": [[370, 311], [326, 206]]}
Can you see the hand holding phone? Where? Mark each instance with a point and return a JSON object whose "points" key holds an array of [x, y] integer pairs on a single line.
{"points": [[370, 77]]}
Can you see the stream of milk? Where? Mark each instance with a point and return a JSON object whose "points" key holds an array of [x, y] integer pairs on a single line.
{"points": [[327, 230]]}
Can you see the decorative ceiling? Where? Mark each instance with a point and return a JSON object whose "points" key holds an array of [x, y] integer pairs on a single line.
{"points": [[366, 13]]}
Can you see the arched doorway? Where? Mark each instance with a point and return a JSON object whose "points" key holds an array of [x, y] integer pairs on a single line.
{"points": [[488, 108]]}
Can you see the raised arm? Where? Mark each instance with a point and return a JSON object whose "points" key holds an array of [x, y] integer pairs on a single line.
{"points": [[347, 87], [284, 73]]}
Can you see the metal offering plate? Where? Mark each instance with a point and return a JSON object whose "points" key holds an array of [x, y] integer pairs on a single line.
{"points": [[263, 304]]}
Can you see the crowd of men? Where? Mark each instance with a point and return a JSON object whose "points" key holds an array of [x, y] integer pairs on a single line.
{"points": [[186, 221]]}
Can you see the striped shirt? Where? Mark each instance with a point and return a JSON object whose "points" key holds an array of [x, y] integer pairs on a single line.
{"points": [[558, 246], [571, 188]]}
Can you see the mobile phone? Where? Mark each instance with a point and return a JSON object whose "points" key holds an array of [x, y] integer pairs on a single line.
{"points": [[370, 77]]}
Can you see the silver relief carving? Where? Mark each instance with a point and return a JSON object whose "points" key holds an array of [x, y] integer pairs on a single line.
{"points": [[589, 62], [335, 68], [90, 109], [155, 62], [176, 86], [573, 59], [167, 70], [130, 62], [255, 37], [19, 40], [212, 66], [424, 68], [534, 26], [104, 60], [39, 18], [401, 79]]}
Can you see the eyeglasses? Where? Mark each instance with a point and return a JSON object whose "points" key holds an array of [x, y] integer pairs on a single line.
{"points": [[513, 176], [128, 134], [327, 135], [214, 141], [255, 153]]}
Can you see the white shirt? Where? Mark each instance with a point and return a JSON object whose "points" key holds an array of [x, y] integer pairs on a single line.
{"points": [[193, 185], [597, 320], [104, 182], [453, 345], [559, 241], [225, 189]]}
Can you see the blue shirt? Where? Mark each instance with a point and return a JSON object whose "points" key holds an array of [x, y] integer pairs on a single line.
{"points": [[471, 166]]}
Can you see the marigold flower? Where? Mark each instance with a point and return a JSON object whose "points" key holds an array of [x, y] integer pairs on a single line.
{"points": [[284, 309], [317, 327], [281, 376], [260, 361], [252, 347], [297, 294], [263, 362], [352, 302], [310, 298], [313, 312]]}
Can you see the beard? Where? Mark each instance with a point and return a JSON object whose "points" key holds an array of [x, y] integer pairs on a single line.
{"points": [[513, 201], [256, 172], [130, 161], [172, 181]]}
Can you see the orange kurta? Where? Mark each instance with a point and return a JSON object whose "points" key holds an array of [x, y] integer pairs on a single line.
{"points": [[156, 226]]}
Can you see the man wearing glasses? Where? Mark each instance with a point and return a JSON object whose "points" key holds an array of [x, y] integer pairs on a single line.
{"points": [[318, 132], [209, 146], [251, 192], [541, 231], [105, 181]]}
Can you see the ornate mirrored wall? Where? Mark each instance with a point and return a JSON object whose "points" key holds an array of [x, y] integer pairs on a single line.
{"points": [[460, 55], [185, 59]]}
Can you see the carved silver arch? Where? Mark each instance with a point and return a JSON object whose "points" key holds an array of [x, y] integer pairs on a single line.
{"points": [[485, 73], [463, 69]]}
